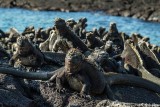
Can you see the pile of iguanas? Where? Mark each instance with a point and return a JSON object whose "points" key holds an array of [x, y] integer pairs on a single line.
{"points": [[90, 61]]}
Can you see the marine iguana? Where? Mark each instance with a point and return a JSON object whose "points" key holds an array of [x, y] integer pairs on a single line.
{"points": [[114, 36], [80, 27], [28, 55], [83, 76], [132, 57], [105, 62], [62, 35], [64, 32], [92, 41], [71, 23], [151, 62], [41, 35], [156, 51]]}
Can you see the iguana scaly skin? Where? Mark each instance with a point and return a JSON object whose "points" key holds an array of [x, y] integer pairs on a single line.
{"points": [[62, 37], [114, 36], [133, 58], [79, 27], [151, 61], [111, 78], [83, 76], [47, 45], [64, 32], [146, 51], [92, 41], [156, 51], [28, 55], [105, 62]]}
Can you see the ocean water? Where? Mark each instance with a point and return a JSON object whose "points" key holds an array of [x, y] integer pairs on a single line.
{"points": [[21, 18]]}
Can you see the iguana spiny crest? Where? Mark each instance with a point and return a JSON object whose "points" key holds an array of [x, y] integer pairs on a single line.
{"points": [[73, 61]]}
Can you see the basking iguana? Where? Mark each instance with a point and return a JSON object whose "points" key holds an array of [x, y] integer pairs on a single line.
{"points": [[83, 76], [114, 36], [151, 62], [93, 42], [132, 58], [27, 55], [150, 59], [63, 38]]}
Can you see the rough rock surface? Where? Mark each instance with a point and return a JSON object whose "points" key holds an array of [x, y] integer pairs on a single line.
{"points": [[44, 94], [142, 9], [13, 95]]}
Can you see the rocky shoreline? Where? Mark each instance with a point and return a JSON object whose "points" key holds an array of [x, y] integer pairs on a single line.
{"points": [[41, 57], [147, 10]]}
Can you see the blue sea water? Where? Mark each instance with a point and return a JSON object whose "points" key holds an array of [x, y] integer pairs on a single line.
{"points": [[20, 18]]}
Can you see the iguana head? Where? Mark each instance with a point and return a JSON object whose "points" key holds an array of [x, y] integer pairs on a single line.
{"points": [[71, 22], [73, 61], [135, 38], [101, 30], [99, 55], [131, 55], [13, 35], [29, 29], [23, 45], [114, 36], [113, 28], [90, 36], [82, 22], [108, 46], [145, 49], [59, 23]]}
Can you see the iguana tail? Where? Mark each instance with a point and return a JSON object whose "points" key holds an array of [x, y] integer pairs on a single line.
{"points": [[29, 75], [126, 79]]}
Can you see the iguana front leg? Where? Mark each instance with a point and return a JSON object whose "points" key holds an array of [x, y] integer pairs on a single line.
{"points": [[60, 81], [13, 59], [85, 85], [56, 73]]}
